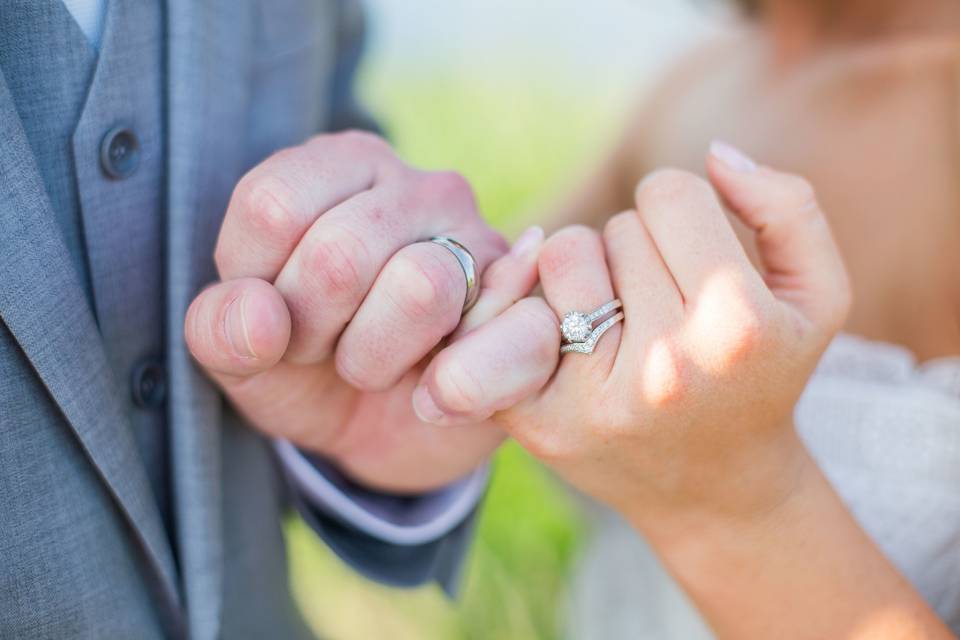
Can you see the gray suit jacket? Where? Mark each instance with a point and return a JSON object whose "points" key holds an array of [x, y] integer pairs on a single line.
{"points": [[83, 549]]}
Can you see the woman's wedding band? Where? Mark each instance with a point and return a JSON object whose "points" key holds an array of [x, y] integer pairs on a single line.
{"points": [[579, 333], [469, 266]]}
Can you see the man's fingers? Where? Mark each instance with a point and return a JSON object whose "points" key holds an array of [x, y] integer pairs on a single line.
{"points": [[485, 350], [692, 234], [276, 202], [492, 368], [802, 264], [416, 301], [340, 257], [237, 328]]}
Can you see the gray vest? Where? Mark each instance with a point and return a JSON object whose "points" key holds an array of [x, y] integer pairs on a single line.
{"points": [[85, 226], [95, 125]]}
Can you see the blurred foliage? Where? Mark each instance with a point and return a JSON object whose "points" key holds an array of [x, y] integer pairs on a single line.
{"points": [[519, 143]]}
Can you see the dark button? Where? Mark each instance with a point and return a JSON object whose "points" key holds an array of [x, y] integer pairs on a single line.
{"points": [[119, 153], [148, 384]]}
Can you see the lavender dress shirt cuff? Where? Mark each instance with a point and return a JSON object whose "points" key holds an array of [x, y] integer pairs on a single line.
{"points": [[399, 520]]}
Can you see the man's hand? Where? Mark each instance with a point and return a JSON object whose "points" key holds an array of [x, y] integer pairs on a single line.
{"points": [[329, 300]]}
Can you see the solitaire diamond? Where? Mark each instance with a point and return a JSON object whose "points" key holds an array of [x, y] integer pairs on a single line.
{"points": [[576, 327]]}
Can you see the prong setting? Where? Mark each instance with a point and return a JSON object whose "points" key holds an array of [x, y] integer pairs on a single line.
{"points": [[587, 346]]}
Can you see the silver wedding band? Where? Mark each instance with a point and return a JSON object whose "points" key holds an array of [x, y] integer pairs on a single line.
{"points": [[469, 266], [580, 335]]}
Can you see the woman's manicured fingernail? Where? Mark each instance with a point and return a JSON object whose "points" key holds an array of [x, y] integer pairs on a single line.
{"points": [[424, 406], [528, 241], [235, 326], [732, 157]]}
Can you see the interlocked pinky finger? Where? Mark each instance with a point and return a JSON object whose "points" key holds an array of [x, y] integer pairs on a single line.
{"points": [[493, 367], [505, 281]]}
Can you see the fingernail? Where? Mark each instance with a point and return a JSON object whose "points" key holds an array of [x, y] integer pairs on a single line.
{"points": [[235, 326], [527, 242], [424, 406], [732, 157]]}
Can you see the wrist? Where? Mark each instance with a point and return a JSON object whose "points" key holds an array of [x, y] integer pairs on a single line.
{"points": [[699, 546], [803, 568], [748, 493]]}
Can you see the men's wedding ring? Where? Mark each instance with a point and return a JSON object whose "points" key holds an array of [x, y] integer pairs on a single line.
{"points": [[469, 266], [579, 333]]}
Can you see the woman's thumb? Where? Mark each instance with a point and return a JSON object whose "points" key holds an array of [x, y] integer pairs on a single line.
{"points": [[801, 263]]}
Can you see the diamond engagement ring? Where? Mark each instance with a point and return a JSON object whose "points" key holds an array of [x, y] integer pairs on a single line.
{"points": [[580, 335], [469, 266]]}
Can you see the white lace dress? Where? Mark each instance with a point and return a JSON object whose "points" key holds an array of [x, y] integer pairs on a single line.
{"points": [[885, 430]]}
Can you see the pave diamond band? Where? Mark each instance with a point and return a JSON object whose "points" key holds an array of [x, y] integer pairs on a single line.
{"points": [[469, 266], [580, 335], [588, 345]]}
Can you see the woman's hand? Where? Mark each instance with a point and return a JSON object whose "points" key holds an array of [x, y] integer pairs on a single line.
{"points": [[681, 418], [685, 408]]}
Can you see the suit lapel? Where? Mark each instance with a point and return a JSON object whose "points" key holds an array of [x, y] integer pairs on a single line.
{"points": [[43, 304], [207, 93]]}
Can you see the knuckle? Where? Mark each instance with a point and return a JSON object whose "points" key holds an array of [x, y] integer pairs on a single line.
{"points": [[330, 265], [352, 372], [803, 196], [222, 259], [269, 205], [667, 377], [365, 138], [566, 248], [423, 286], [357, 139], [746, 332], [458, 390], [448, 187], [618, 223], [545, 446], [671, 185]]}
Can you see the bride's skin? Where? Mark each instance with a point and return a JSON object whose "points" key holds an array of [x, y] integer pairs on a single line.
{"points": [[682, 420]]}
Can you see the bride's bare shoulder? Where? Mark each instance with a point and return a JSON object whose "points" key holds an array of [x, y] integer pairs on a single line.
{"points": [[719, 53], [694, 82]]}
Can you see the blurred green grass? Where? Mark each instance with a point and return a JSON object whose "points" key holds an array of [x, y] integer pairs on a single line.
{"points": [[521, 142]]}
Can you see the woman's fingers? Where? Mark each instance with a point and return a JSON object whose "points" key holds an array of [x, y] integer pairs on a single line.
{"points": [[802, 264], [574, 276], [691, 232], [652, 304]]}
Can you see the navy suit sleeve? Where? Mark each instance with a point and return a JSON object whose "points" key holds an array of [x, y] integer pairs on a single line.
{"points": [[439, 560], [345, 109]]}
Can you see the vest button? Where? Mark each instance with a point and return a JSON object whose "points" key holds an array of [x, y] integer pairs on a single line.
{"points": [[148, 384], [119, 153]]}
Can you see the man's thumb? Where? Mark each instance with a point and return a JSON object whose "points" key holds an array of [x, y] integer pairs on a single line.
{"points": [[238, 328], [801, 263]]}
